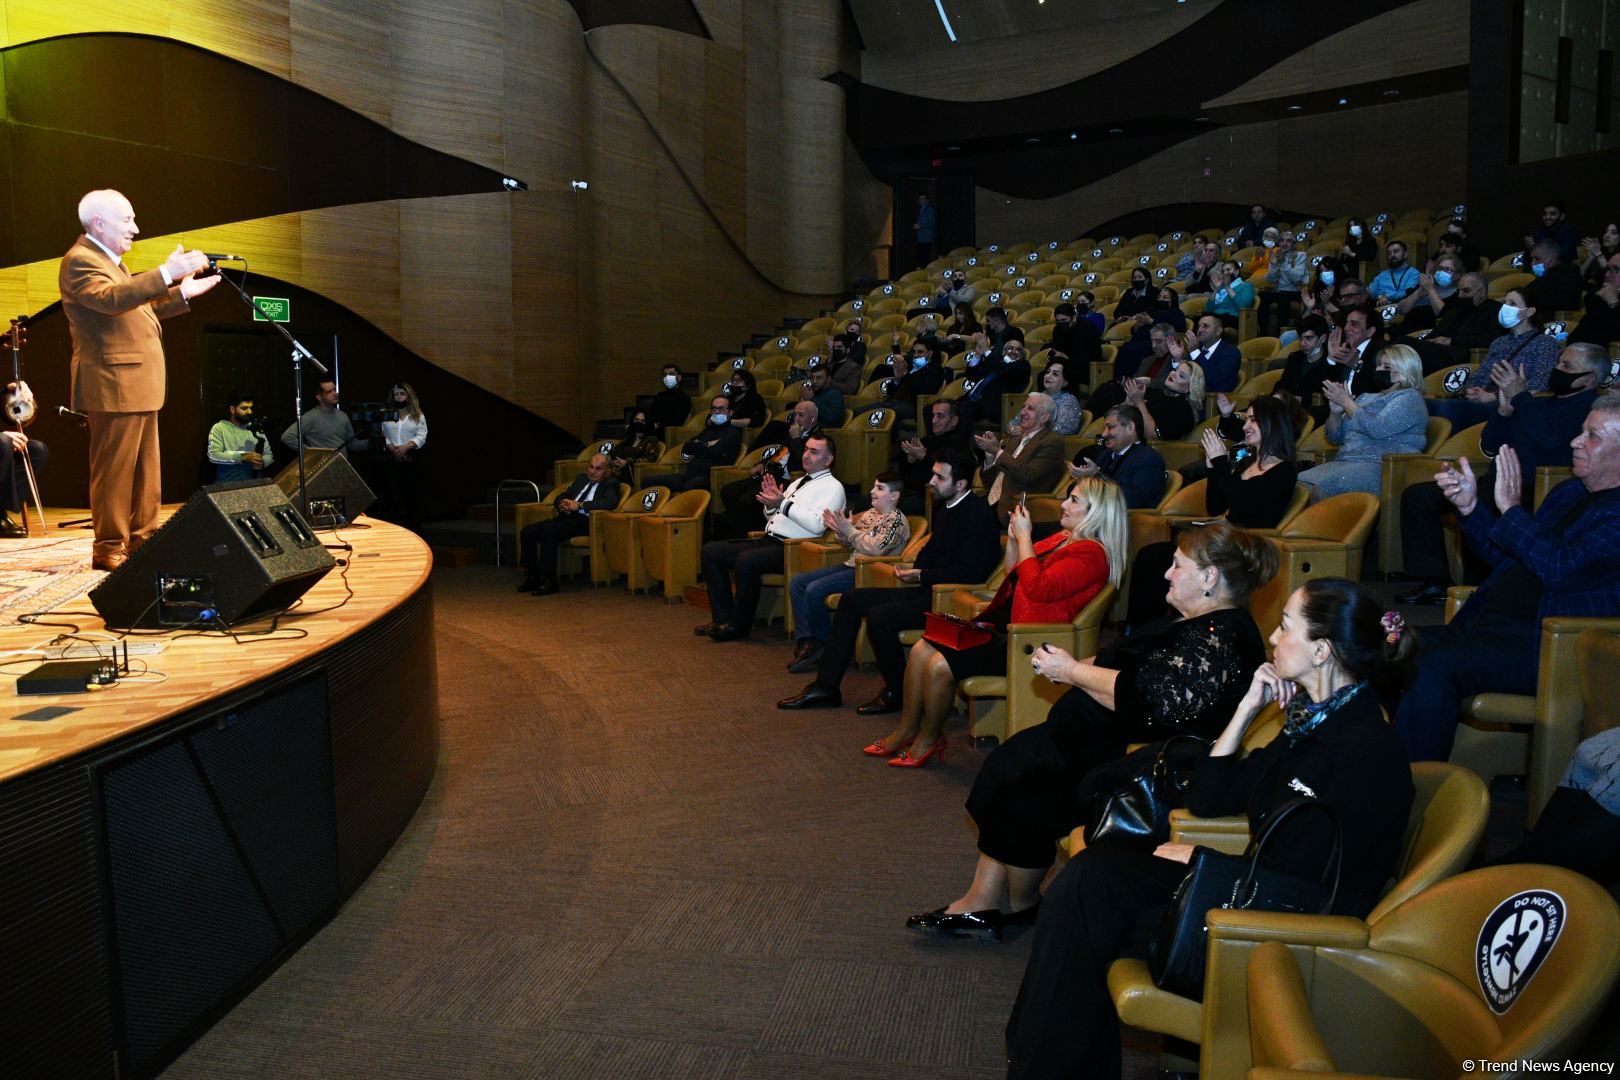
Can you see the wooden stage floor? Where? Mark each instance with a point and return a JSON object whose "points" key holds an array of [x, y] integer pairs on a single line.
{"points": [[387, 566]]}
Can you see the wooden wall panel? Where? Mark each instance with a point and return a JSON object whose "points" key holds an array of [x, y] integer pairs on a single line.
{"points": [[447, 76], [1301, 162], [344, 51], [1421, 36], [563, 302]]}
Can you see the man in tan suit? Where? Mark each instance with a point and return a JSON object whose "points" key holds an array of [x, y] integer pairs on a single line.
{"points": [[118, 375], [1029, 461]]}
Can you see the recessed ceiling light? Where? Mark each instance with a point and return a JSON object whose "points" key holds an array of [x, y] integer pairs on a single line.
{"points": [[1201, 120], [1032, 139], [1295, 108], [1116, 131], [1344, 101], [1392, 93], [953, 148], [1074, 134]]}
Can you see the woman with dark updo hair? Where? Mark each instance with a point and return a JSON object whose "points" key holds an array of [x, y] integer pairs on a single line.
{"points": [[1177, 674], [1334, 650]]}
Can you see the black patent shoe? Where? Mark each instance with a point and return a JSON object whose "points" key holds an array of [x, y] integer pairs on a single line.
{"points": [[885, 702], [984, 925], [12, 530], [814, 696]]}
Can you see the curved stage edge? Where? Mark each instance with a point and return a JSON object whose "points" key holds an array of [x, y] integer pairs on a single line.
{"points": [[166, 845]]}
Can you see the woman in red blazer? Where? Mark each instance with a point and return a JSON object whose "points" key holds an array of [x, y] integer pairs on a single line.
{"points": [[1048, 582]]}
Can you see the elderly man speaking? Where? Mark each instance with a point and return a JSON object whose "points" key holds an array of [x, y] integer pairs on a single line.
{"points": [[118, 373]]}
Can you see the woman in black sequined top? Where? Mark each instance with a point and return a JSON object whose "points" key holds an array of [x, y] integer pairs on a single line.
{"points": [[1182, 674]]}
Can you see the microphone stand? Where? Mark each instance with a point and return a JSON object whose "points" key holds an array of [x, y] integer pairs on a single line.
{"points": [[299, 355]]}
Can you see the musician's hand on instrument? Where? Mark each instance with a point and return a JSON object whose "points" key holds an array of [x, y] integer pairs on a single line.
{"points": [[255, 460], [18, 440]]}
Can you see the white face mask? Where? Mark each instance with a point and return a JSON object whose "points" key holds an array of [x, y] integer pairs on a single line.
{"points": [[1269, 243], [672, 381], [1355, 232]]}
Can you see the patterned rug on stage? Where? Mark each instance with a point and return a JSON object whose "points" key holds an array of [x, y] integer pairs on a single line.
{"points": [[41, 575]]}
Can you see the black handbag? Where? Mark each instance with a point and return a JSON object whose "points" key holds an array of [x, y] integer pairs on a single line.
{"points": [[1127, 802], [1218, 880]]}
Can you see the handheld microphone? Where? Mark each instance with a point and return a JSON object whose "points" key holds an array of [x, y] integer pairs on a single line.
{"points": [[63, 410], [213, 258]]}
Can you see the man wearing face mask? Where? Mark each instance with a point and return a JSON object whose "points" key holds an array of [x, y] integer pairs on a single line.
{"points": [[1397, 281], [717, 444], [953, 290], [1076, 340], [1009, 376], [672, 405], [1559, 283], [1539, 429], [1417, 310], [1465, 321], [1288, 273]]}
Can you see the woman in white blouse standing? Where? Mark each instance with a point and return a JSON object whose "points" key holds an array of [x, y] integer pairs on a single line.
{"points": [[405, 436]]}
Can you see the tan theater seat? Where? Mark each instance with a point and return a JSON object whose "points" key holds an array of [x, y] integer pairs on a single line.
{"points": [[1444, 827], [670, 542], [1403, 993], [1324, 540]]}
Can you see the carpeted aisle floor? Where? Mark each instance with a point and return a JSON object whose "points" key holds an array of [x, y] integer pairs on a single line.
{"points": [[631, 864]]}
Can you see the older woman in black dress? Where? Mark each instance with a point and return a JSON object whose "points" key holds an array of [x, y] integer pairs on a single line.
{"points": [[1334, 648], [1177, 675]]}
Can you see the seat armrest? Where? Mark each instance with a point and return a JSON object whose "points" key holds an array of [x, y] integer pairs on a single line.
{"points": [[876, 572], [1224, 834], [1456, 597], [1315, 931]]}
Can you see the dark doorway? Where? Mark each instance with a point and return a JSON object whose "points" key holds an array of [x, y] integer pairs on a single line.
{"points": [[952, 197]]}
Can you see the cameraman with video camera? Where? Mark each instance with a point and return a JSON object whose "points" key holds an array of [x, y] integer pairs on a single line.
{"points": [[236, 445]]}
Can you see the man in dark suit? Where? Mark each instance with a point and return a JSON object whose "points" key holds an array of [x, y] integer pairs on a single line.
{"points": [[118, 375], [593, 490], [717, 444], [1030, 460], [1125, 459], [1220, 359], [963, 546]]}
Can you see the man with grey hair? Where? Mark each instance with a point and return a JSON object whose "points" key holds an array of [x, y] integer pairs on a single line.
{"points": [[1030, 460], [1540, 431], [1558, 561], [118, 375], [592, 490]]}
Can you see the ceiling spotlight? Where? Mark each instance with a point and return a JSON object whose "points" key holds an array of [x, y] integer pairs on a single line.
{"points": [[953, 148], [1074, 135], [1295, 108], [1392, 93], [511, 184], [1033, 139], [579, 185], [1116, 131], [1344, 101]]}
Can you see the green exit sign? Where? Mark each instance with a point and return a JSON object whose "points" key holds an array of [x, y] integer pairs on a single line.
{"points": [[272, 309]]}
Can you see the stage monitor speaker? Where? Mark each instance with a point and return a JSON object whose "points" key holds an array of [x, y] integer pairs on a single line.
{"points": [[234, 551], [337, 495]]}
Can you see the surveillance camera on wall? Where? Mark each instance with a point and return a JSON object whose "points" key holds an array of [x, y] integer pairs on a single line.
{"points": [[579, 185]]}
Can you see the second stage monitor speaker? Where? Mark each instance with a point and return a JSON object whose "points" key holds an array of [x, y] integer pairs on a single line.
{"points": [[337, 495], [232, 552]]}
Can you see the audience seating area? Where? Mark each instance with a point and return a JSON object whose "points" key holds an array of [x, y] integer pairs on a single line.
{"points": [[1285, 994]]}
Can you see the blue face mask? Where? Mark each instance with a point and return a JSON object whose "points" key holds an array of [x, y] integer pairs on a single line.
{"points": [[1443, 278], [918, 361], [1538, 268], [1509, 316], [1327, 277], [719, 419]]}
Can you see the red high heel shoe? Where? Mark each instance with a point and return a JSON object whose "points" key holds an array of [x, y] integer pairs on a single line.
{"points": [[877, 749], [906, 761]]}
